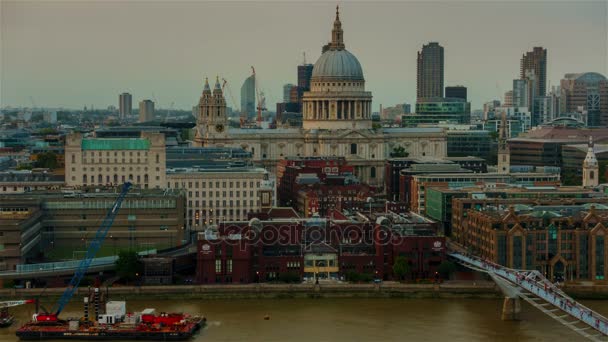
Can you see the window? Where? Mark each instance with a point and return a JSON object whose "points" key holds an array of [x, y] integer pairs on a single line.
{"points": [[218, 266], [372, 172], [353, 148]]}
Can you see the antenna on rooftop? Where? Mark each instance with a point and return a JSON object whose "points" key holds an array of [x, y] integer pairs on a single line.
{"points": [[303, 57]]}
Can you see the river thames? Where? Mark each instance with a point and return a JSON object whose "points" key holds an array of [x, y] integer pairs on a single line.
{"points": [[350, 320]]}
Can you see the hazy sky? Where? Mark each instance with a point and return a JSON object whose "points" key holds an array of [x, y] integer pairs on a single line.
{"points": [[77, 53]]}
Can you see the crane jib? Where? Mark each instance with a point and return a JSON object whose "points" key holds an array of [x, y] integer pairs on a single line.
{"points": [[94, 247]]}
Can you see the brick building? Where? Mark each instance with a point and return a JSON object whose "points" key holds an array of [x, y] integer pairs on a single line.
{"points": [[318, 248], [564, 239]]}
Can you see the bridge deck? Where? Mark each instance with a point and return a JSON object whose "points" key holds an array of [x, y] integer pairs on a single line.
{"points": [[533, 285]]}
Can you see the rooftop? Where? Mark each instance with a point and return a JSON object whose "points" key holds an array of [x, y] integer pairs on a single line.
{"points": [[115, 144]]}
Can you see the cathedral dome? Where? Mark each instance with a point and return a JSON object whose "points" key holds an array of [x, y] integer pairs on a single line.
{"points": [[337, 65]]}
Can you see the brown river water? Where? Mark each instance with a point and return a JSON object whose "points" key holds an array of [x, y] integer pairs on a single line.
{"points": [[350, 320]]}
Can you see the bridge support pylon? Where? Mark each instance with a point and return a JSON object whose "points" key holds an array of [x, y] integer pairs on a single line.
{"points": [[511, 309]]}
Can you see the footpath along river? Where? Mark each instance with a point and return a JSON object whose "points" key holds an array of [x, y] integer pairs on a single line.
{"points": [[308, 320]]}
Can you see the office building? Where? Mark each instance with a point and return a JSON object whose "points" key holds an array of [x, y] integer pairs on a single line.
{"points": [[508, 99], [146, 111], [217, 193], [429, 82], [459, 92], [125, 105], [588, 93], [543, 146], [62, 223], [111, 161], [438, 110], [535, 63], [248, 102], [287, 92], [489, 110]]}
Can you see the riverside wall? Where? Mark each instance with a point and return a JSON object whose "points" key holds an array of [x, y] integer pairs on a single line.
{"points": [[277, 291]]}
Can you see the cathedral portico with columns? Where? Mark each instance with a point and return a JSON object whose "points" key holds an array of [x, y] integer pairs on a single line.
{"points": [[337, 121]]}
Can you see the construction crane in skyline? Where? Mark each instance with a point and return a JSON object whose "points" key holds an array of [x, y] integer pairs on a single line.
{"points": [[226, 88], [261, 99]]}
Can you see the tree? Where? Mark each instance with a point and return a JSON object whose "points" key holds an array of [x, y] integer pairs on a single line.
{"points": [[128, 265], [446, 268], [401, 267], [399, 152], [47, 160]]}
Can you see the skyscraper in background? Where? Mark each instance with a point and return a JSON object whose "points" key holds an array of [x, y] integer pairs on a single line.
{"points": [[519, 97], [125, 105], [586, 93], [508, 99], [429, 82], [304, 75], [535, 60], [287, 92], [458, 92], [248, 97], [146, 111]]}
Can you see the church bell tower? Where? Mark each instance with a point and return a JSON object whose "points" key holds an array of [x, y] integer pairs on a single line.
{"points": [[212, 121], [590, 167]]}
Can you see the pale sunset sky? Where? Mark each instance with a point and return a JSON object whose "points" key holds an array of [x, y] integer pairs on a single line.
{"points": [[80, 53]]}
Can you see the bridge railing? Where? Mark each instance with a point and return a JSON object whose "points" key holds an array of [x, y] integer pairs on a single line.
{"points": [[534, 282]]}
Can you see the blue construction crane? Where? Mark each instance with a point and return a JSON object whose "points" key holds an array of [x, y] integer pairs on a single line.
{"points": [[84, 264]]}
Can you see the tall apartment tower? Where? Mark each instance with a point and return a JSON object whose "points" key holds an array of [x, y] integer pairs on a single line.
{"points": [[248, 97], [429, 82], [504, 156], [146, 111], [304, 76], [535, 60], [590, 167], [125, 105]]}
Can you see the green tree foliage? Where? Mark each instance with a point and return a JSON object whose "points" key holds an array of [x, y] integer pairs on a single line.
{"points": [[446, 268], [399, 152], [46, 160], [401, 268], [128, 265]]}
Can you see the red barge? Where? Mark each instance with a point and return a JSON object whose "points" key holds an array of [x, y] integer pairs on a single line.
{"points": [[115, 324]]}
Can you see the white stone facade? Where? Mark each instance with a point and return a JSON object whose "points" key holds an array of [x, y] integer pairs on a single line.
{"points": [[111, 161]]}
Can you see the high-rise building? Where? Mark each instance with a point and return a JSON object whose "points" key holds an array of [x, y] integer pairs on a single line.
{"points": [[459, 92], [146, 111], [586, 92], [520, 93], [535, 60], [429, 82], [248, 97], [542, 111], [304, 76], [287, 92], [125, 105], [489, 109], [508, 100]]}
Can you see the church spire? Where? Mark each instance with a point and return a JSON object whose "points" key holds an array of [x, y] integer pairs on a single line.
{"points": [[504, 156], [337, 35], [590, 167], [206, 89], [217, 88]]}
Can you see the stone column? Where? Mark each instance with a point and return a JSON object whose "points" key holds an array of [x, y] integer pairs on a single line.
{"points": [[511, 309]]}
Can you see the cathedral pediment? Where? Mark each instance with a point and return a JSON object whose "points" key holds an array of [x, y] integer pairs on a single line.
{"points": [[353, 134]]}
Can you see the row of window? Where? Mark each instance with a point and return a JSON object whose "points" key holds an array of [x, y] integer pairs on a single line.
{"points": [[224, 193], [100, 155], [204, 184]]}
